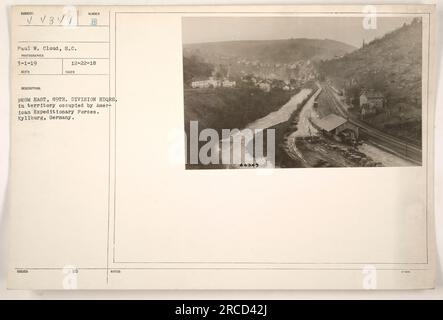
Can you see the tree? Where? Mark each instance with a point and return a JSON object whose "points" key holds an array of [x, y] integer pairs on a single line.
{"points": [[195, 67]]}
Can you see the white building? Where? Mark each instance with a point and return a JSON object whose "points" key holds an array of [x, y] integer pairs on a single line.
{"points": [[264, 86], [212, 83], [209, 83], [228, 84]]}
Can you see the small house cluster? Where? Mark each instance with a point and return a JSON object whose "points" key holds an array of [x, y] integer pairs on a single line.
{"points": [[265, 86], [371, 102], [212, 83], [269, 83]]}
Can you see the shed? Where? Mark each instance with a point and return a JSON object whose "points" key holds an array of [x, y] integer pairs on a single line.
{"points": [[335, 124]]}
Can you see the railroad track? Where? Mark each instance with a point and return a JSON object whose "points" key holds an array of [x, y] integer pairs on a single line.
{"points": [[382, 140]]}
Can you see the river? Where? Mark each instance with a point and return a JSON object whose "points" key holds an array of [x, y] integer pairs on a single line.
{"points": [[281, 115]]}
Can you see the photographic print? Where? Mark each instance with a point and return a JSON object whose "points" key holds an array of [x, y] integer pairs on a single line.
{"points": [[302, 92]]}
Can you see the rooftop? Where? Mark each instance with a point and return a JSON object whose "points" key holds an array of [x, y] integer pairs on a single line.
{"points": [[373, 94], [330, 122]]}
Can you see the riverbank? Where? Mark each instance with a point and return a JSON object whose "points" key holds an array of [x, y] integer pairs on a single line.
{"points": [[234, 108], [285, 157]]}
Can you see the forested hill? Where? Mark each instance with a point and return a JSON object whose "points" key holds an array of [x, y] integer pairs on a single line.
{"points": [[271, 51], [391, 65]]}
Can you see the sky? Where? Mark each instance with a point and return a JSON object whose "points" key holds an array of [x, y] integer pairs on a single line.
{"points": [[349, 30]]}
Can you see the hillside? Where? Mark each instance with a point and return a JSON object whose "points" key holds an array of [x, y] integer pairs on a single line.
{"points": [[229, 108], [194, 67], [271, 51], [391, 65]]}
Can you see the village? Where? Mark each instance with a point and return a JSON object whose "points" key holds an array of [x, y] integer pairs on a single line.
{"points": [[265, 76]]}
